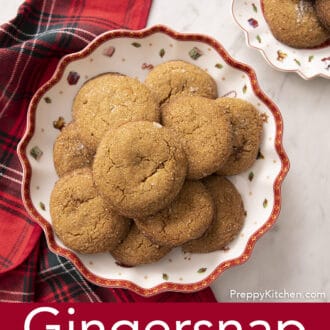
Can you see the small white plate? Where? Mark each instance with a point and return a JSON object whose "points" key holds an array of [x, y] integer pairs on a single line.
{"points": [[134, 53], [308, 63]]}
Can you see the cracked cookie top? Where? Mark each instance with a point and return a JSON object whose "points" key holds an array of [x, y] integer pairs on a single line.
{"points": [[247, 131], [205, 130], [108, 101], [80, 217], [186, 218], [176, 78], [69, 152], [228, 220], [139, 168], [136, 249]]}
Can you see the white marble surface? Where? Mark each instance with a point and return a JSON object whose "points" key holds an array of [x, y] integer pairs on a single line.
{"points": [[293, 256]]}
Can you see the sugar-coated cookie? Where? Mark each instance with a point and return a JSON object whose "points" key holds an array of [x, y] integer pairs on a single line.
{"points": [[247, 131], [228, 220], [108, 101], [69, 152], [136, 249], [174, 78], [205, 130], [81, 218], [139, 168], [322, 8], [186, 218], [294, 22]]}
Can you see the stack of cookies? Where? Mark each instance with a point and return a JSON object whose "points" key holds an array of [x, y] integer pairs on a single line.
{"points": [[299, 23], [142, 166]]}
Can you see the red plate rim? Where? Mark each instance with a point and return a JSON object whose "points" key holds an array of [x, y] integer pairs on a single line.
{"points": [[167, 286]]}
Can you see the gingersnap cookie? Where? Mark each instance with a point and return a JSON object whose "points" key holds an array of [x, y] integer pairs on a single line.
{"points": [[322, 8], [108, 101], [228, 219], [186, 218], [69, 152], [205, 130], [136, 249], [80, 217], [247, 130], [175, 78], [139, 168], [294, 22]]}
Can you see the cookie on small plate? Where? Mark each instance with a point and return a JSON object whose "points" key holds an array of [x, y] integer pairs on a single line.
{"points": [[69, 152], [294, 22], [175, 78], [205, 130], [322, 8], [80, 217], [139, 168], [187, 218], [137, 249], [228, 221], [108, 101], [247, 131]]}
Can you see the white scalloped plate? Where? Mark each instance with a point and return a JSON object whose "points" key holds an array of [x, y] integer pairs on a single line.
{"points": [[308, 63], [134, 53]]}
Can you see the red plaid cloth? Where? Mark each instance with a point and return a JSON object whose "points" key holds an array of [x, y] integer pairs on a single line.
{"points": [[30, 47]]}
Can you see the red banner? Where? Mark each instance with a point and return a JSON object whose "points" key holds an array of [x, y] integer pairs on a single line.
{"points": [[179, 316]]}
